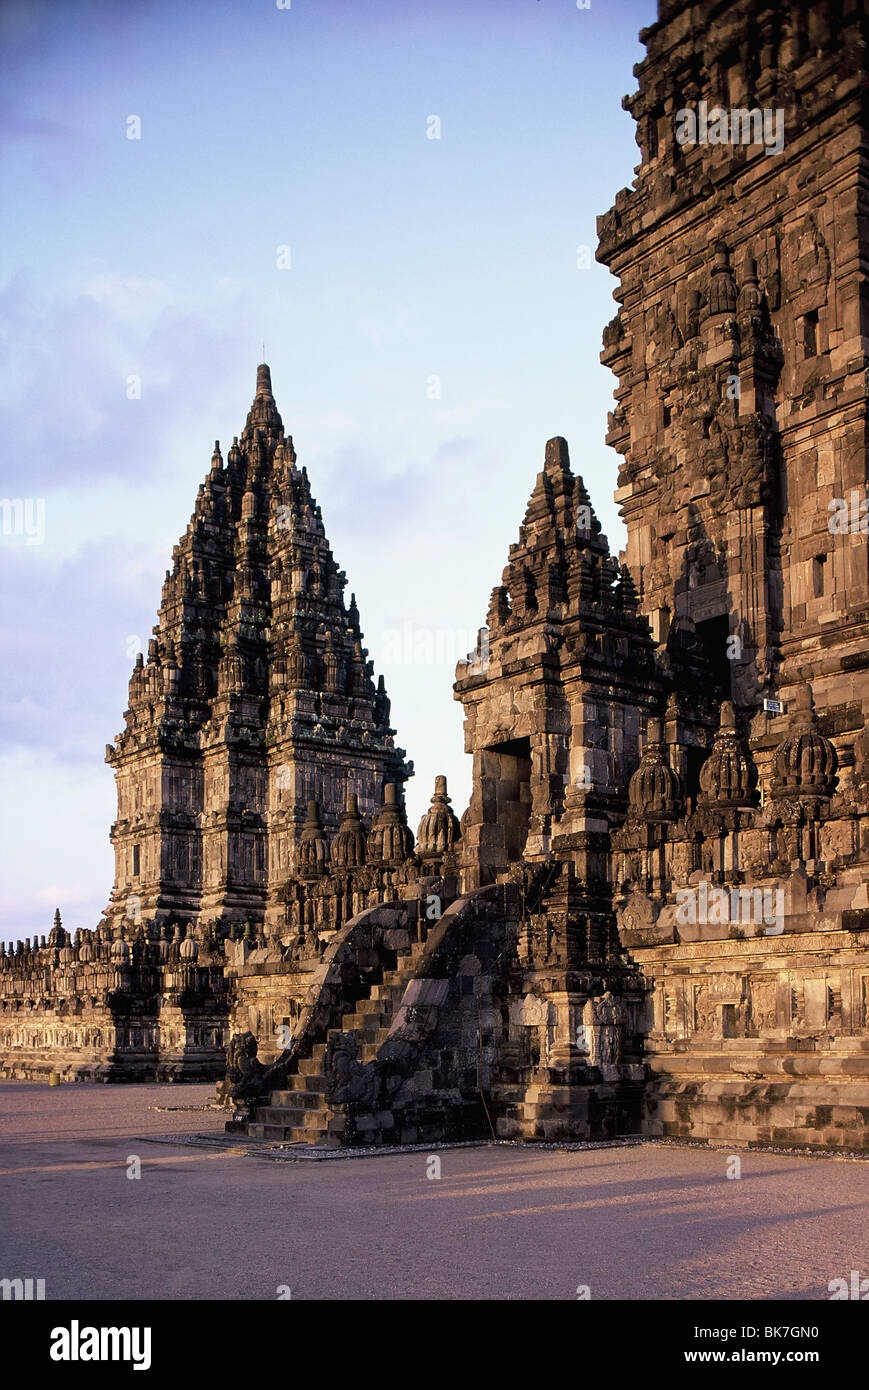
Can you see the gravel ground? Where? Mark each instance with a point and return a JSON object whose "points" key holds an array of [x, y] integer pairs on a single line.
{"points": [[640, 1222]]}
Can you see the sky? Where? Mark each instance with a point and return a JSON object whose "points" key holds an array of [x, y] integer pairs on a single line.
{"points": [[398, 199]]}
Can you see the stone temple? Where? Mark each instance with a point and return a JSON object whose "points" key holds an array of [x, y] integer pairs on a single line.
{"points": [[653, 917]]}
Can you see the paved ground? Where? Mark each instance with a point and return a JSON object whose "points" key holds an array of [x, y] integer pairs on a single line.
{"points": [[642, 1223]]}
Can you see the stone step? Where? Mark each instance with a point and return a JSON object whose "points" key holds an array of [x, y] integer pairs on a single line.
{"points": [[371, 1037], [408, 963], [302, 1117], [374, 1025], [288, 1097], [296, 1100], [302, 1093], [364, 1007], [392, 978], [287, 1134], [326, 1133], [307, 1081], [371, 1046], [367, 1027], [311, 1066], [387, 993], [299, 1112]]}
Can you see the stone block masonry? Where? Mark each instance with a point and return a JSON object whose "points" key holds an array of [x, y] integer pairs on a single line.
{"points": [[652, 917]]}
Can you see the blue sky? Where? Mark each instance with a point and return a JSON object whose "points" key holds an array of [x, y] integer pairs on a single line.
{"points": [[410, 259]]}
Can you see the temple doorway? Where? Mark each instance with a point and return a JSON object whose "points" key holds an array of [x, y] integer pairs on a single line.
{"points": [[507, 770]]}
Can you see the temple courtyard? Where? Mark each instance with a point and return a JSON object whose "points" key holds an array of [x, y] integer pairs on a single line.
{"points": [[205, 1219]]}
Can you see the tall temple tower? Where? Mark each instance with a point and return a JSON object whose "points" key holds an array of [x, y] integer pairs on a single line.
{"points": [[257, 698], [740, 346], [654, 913], [555, 704]]}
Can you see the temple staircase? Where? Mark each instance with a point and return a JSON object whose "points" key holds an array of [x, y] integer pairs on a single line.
{"points": [[301, 1114]]}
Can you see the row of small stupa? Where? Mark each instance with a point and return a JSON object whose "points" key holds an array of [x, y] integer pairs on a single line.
{"points": [[388, 842]]}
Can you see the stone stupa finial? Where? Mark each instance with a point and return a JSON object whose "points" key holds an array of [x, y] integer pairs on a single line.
{"points": [[263, 380]]}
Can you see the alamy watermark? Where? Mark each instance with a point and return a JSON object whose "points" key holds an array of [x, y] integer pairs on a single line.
{"points": [[25, 1290], [23, 516], [410, 645], [760, 907], [855, 1288], [77, 1343], [739, 126], [849, 514]]}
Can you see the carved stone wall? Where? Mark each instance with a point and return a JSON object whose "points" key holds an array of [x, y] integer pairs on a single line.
{"points": [[148, 1003], [740, 345], [653, 914], [257, 698]]}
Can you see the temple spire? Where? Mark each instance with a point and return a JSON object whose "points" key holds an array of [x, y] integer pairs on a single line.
{"points": [[263, 413], [263, 381]]}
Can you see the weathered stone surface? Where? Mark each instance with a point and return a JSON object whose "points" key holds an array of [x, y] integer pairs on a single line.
{"points": [[653, 915], [741, 419]]}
